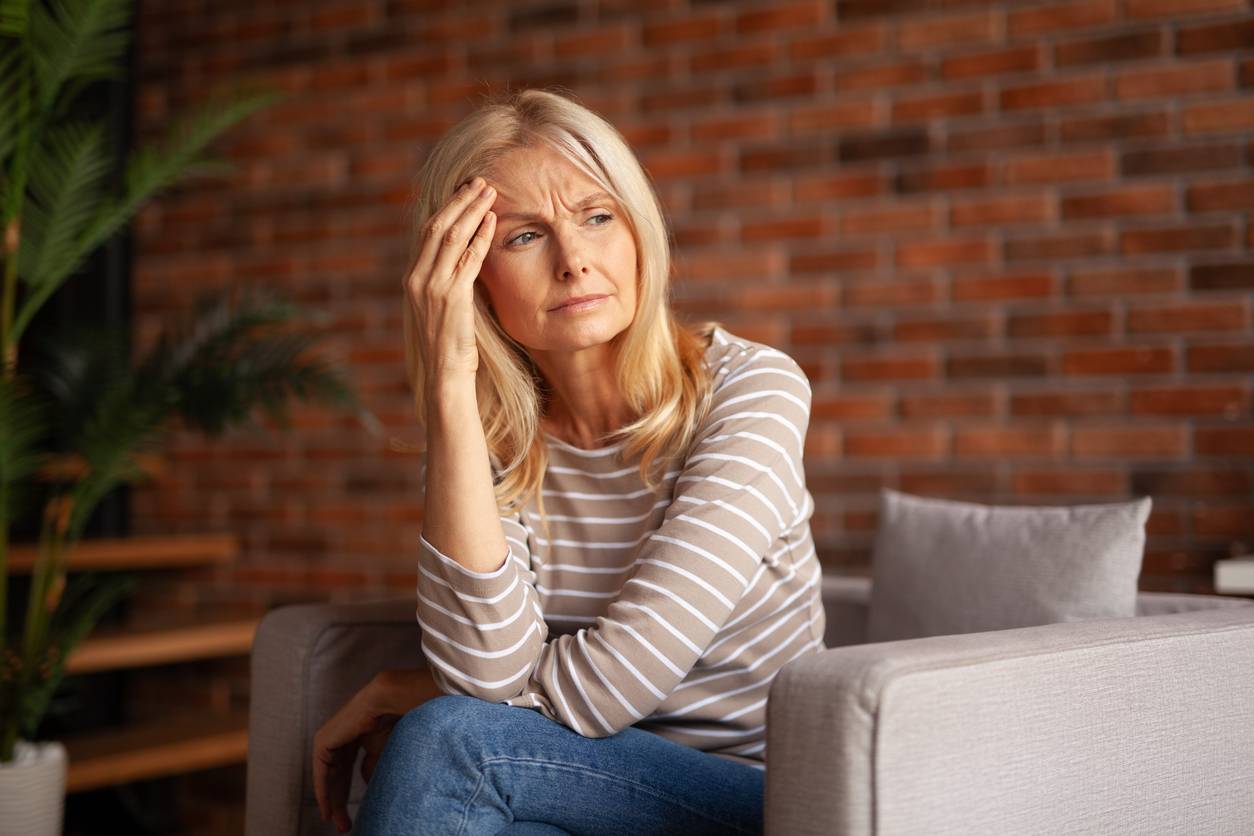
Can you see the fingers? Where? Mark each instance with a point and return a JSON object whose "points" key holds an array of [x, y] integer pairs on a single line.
{"points": [[447, 233], [472, 259]]}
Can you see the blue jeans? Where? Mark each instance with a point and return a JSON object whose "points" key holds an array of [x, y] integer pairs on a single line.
{"points": [[463, 766]]}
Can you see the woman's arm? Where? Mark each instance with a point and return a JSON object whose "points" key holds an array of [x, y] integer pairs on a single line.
{"points": [[460, 515]]}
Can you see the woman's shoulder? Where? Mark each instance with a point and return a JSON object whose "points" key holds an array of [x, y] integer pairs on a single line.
{"points": [[737, 359]]}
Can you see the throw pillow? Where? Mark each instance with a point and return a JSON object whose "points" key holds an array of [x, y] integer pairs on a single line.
{"points": [[943, 567]]}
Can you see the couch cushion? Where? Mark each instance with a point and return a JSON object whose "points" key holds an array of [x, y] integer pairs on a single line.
{"points": [[943, 567]]}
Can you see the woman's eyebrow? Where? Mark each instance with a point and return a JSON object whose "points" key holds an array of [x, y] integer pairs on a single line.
{"points": [[583, 203]]}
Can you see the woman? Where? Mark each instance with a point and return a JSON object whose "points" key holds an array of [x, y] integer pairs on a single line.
{"points": [[639, 618]]}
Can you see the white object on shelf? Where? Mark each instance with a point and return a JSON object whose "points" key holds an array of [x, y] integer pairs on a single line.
{"points": [[1235, 575]]}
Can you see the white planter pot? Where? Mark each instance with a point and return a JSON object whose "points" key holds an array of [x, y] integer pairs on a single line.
{"points": [[32, 789]]}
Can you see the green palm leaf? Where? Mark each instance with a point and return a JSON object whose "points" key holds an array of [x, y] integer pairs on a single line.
{"points": [[148, 171], [68, 174]]}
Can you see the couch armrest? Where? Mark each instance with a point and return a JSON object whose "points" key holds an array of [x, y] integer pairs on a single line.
{"points": [[1132, 725], [307, 660]]}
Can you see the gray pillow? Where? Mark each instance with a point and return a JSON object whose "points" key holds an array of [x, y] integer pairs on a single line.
{"points": [[942, 567]]}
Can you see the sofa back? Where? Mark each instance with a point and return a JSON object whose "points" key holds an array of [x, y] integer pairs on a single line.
{"points": [[846, 597]]}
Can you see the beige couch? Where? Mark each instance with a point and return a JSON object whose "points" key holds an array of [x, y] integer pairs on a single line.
{"points": [[1116, 726]]}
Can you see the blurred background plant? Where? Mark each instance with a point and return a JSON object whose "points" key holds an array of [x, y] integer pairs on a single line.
{"points": [[77, 416]]}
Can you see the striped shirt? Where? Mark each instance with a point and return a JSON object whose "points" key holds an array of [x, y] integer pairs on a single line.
{"points": [[669, 610]]}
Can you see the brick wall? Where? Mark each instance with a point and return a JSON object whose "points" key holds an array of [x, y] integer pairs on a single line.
{"points": [[1009, 242]]}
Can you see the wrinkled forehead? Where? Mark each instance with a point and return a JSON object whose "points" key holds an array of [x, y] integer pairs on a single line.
{"points": [[534, 179]]}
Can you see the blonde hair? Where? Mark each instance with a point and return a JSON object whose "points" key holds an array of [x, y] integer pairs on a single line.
{"points": [[659, 361]]}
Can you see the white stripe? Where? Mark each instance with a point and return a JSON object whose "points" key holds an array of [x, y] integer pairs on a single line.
{"points": [[761, 468], [699, 581], [770, 416], [786, 455], [673, 630], [771, 591], [710, 556], [496, 573], [588, 701], [580, 638], [482, 683], [700, 616], [737, 486], [478, 625], [727, 506], [561, 698], [675, 669], [428, 630], [466, 596], [629, 666]]}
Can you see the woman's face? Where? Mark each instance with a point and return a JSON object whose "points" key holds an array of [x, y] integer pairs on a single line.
{"points": [[550, 245]]}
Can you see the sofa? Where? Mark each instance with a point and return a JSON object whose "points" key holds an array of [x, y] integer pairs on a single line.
{"points": [[1141, 725]]}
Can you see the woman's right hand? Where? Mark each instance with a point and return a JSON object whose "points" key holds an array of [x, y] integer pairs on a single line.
{"points": [[362, 723], [440, 285]]}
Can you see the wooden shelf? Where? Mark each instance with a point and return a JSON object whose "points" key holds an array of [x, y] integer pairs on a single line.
{"points": [[171, 746], [130, 648], [122, 553]]}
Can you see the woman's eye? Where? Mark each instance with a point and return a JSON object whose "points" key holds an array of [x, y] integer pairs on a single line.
{"points": [[518, 239]]}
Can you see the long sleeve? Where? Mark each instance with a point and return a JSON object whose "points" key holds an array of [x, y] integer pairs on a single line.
{"points": [[741, 488], [481, 631]]}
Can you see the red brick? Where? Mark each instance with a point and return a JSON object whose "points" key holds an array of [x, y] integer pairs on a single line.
{"points": [[837, 185], [1107, 49], [927, 442], [1070, 401], [1118, 360], [1129, 200], [1053, 247], [949, 405], [1218, 117], [698, 27], [949, 30], [992, 62], [943, 329], [1123, 281], [951, 482], [890, 218], [879, 76], [947, 104], [1061, 324], [1061, 167], [835, 334], [938, 253], [1193, 480], [1128, 441], [844, 42], [824, 118], [1188, 400], [1221, 358], [1235, 520], [773, 88], [1233, 275], [891, 294], [781, 16], [1059, 93], [942, 177], [1212, 197], [983, 211], [1199, 236], [1023, 286], [1224, 441], [1182, 318], [852, 407], [781, 229], [851, 258], [1147, 9], [1162, 82], [1226, 36], [1114, 126], [1177, 159], [1018, 134], [1070, 481], [897, 367], [996, 365], [998, 440], [1058, 16]]}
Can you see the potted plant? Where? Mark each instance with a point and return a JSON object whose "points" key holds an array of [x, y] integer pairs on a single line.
{"points": [[78, 418]]}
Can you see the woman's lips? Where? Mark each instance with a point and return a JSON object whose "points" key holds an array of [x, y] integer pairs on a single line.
{"points": [[585, 305]]}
